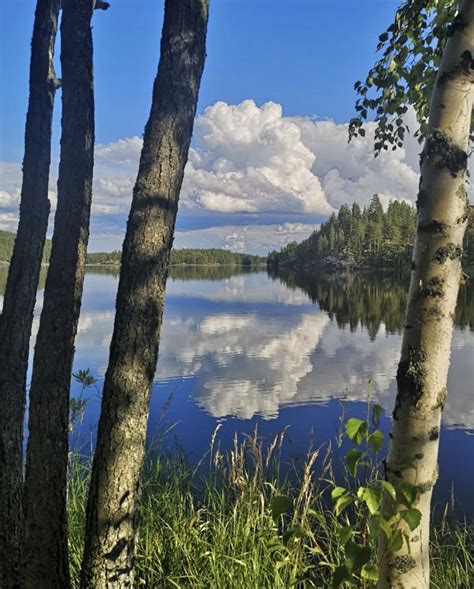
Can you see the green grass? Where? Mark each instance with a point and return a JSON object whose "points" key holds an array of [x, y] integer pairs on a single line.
{"points": [[211, 526]]}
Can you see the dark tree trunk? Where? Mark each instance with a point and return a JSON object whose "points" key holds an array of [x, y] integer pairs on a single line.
{"points": [[20, 293], [45, 562], [113, 499]]}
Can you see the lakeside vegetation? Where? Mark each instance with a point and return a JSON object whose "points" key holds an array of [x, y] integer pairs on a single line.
{"points": [[237, 520], [361, 238]]}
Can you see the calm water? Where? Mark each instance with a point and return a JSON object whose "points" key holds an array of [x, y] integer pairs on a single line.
{"points": [[281, 351]]}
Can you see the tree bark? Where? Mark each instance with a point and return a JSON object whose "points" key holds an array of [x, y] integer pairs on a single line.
{"points": [[20, 293], [443, 214], [45, 562], [114, 493]]}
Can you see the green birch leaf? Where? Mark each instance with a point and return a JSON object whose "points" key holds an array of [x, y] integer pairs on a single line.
{"points": [[356, 429], [412, 517], [409, 493], [376, 440], [343, 502], [352, 460], [345, 534], [296, 531], [374, 526], [317, 516], [376, 413], [395, 541], [356, 556], [370, 572], [337, 492], [340, 575], [390, 489], [386, 527], [372, 497]]}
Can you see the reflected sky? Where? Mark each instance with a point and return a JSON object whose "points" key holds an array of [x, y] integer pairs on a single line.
{"points": [[254, 346]]}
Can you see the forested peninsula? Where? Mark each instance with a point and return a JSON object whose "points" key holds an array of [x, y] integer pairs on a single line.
{"points": [[361, 238]]}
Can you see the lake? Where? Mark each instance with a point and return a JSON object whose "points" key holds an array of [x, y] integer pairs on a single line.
{"points": [[240, 349]]}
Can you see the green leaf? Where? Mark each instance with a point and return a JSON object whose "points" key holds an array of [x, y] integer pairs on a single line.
{"points": [[352, 460], [386, 527], [395, 541], [345, 533], [376, 413], [337, 492], [372, 497], [374, 526], [356, 556], [376, 440], [343, 502], [409, 493], [340, 575], [317, 516], [412, 517], [280, 504], [356, 429], [390, 489], [370, 572]]}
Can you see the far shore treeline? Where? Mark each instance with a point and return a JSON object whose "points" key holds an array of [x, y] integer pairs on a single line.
{"points": [[354, 238], [187, 256]]}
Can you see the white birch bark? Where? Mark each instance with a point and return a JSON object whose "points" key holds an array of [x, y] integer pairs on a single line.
{"points": [[423, 370]]}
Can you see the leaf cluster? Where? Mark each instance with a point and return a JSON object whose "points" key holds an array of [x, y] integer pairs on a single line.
{"points": [[410, 52], [360, 526]]}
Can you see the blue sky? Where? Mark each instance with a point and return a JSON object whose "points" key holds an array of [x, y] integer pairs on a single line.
{"points": [[258, 176]]}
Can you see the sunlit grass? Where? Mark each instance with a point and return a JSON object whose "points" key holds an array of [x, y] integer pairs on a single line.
{"points": [[211, 525]]}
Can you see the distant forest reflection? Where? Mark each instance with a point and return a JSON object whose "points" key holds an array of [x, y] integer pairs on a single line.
{"points": [[368, 299], [358, 299]]}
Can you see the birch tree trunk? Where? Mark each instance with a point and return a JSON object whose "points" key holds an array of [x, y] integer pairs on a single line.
{"points": [[443, 214], [20, 293], [45, 562], [112, 511]]}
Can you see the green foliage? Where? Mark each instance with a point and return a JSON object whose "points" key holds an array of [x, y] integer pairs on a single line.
{"points": [[189, 257], [211, 257], [410, 53], [7, 241], [360, 527], [355, 237], [241, 524], [364, 238]]}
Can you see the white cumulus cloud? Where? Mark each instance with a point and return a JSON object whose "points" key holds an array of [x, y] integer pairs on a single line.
{"points": [[250, 160], [252, 239]]}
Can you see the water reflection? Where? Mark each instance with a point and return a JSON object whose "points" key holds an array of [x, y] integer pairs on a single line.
{"points": [[276, 351], [282, 350], [368, 299], [249, 345]]}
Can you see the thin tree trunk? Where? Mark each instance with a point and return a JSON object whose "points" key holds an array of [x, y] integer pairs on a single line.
{"points": [[45, 555], [114, 493], [20, 293], [443, 214]]}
